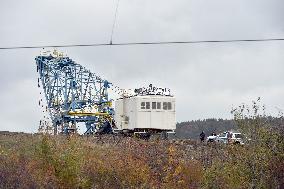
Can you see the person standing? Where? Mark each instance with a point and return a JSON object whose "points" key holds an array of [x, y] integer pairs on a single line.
{"points": [[229, 137], [202, 136]]}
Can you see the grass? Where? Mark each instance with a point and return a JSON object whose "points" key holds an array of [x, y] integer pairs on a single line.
{"points": [[43, 161]]}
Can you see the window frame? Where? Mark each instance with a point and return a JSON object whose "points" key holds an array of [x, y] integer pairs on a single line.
{"points": [[165, 105], [154, 105], [170, 107], [159, 105], [148, 106], [143, 107]]}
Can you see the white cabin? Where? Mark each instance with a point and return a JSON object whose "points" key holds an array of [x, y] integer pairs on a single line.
{"points": [[149, 112]]}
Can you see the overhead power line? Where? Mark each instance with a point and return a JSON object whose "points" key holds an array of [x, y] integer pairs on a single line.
{"points": [[143, 43]]}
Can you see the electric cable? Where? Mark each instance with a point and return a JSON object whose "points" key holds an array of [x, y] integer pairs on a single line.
{"points": [[143, 43]]}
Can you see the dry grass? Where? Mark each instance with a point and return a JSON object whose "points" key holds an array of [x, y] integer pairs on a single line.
{"points": [[42, 161]]}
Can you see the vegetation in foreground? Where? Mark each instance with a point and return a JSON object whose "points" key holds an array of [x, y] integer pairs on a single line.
{"points": [[43, 161]]}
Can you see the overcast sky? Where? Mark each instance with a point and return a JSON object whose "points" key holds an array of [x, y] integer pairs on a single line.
{"points": [[207, 79]]}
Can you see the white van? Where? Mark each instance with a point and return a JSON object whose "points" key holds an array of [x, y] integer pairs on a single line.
{"points": [[230, 137]]}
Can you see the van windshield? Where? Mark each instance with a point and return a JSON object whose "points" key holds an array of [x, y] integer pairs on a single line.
{"points": [[238, 135]]}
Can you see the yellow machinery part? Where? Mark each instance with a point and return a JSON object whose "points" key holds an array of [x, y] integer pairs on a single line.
{"points": [[88, 114]]}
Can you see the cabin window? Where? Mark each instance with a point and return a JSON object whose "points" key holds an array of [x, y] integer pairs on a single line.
{"points": [[158, 105], [154, 105], [165, 105], [147, 105], [169, 105], [142, 105]]}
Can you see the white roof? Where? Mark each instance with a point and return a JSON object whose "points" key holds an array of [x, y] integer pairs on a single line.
{"points": [[150, 96]]}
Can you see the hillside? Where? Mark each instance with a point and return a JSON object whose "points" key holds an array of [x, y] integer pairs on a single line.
{"points": [[192, 129]]}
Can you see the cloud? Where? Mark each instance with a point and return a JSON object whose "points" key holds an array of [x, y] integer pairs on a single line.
{"points": [[207, 79]]}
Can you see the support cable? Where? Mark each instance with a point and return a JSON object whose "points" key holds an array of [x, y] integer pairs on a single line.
{"points": [[114, 22]]}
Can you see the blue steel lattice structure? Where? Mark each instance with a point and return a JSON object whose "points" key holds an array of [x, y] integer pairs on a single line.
{"points": [[74, 94]]}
